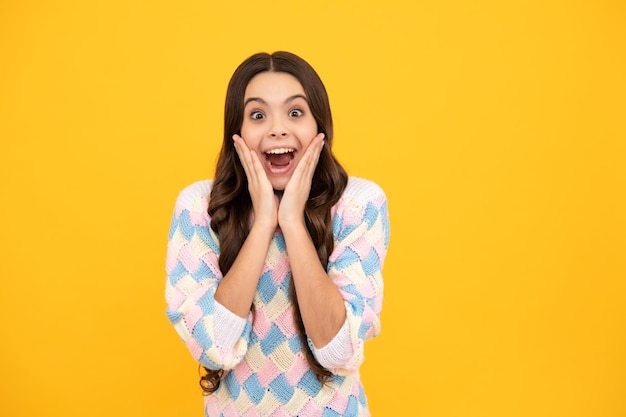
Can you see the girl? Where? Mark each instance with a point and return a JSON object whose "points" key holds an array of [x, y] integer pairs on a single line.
{"points": [[274, 267]]}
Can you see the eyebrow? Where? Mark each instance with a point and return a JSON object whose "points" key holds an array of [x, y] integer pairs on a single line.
{"points": [[289, 99]]}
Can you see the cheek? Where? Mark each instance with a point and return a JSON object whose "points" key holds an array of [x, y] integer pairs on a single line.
{"points": [[307, 131], [249, 133], [310, 134]]}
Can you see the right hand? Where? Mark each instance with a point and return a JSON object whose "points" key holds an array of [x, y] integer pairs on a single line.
{"points": [[264, 201]]}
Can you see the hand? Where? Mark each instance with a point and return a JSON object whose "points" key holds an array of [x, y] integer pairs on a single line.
{"points": [[264, 201], [291, 208]]}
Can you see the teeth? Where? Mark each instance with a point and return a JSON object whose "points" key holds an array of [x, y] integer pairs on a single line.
{"points": [[280, 151]]}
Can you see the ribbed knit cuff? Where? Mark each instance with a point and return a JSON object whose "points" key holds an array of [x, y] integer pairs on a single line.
{"points": [[337, 352], [228, 327]]}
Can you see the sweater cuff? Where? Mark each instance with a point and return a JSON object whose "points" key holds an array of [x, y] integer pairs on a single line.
{"points": [[337, 352], [228, 327]]}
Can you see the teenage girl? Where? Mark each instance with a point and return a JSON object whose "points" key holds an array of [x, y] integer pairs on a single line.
{"points": [[274, 267]]}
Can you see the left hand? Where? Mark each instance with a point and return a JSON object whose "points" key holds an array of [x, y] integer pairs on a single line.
{"points": [[291, 207]]}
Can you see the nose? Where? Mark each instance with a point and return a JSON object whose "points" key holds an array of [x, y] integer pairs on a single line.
{"points": [[278, 133], [278, 129]]}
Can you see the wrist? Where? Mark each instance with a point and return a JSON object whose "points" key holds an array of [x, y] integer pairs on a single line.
{"points": [[263, 227], [293, 226]]}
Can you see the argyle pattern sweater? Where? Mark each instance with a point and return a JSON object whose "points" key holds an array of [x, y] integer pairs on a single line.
{"points": [[266, 373]]}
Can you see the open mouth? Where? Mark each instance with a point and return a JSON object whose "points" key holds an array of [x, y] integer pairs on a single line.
{"points": [[280, 157]]}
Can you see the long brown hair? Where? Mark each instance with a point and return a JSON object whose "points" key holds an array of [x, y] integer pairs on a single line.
{"points": [[230, 205]]}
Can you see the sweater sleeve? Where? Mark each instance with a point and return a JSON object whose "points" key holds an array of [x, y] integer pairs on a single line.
{"points": [[361, 230], [217, 338]]}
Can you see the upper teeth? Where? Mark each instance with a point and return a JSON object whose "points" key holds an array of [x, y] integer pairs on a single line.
{"points": [[280, 150]]}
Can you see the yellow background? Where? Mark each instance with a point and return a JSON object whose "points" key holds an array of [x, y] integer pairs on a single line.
{"points": [[496, 129]]}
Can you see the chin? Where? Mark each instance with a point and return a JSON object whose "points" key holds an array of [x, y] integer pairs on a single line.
{"points": [[280, 185]]}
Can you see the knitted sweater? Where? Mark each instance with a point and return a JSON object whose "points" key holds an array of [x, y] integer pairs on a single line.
{"points": [[266, 373]]}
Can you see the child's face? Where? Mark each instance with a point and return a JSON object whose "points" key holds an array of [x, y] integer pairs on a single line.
{"points": [[277, 124]]}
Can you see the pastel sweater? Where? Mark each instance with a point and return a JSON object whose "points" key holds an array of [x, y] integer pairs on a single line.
{"points": [[266, 371]]}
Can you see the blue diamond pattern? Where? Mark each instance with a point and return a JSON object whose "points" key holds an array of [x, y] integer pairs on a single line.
{"points": [[271, 341], [309, 383], [281, 388], [232, 386], [254, 389]]}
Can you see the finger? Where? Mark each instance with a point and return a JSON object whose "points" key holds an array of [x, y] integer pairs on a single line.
{"points": [[244, 156], [257, 166], [316, 146], [255, 173], [311, 157], [252, 160], [318, 150], [317, 141]]}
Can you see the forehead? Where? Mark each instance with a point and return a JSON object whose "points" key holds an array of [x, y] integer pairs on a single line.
{"points": [[273, 84]]}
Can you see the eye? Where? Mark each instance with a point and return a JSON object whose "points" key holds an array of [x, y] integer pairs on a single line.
{"points": [[257, 115], [296, 113]]}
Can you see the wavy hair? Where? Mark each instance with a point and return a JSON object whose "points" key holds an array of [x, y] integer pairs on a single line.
{"points": [[230, 205]]}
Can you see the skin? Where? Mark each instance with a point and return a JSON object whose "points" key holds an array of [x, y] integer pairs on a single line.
{"points": [[277, 115]]}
